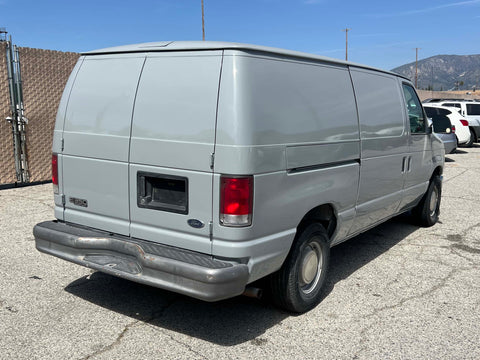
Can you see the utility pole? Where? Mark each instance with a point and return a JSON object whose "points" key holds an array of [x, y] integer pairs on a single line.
{"points": [[416, 66], [203, 23], [432, 78], [346, 42]]}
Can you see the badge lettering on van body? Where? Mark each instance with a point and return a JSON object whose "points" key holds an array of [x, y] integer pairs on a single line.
{"points": [[197, 224], [78, 202]]}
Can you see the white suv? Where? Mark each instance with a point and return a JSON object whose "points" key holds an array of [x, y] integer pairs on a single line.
{"points": [[462, 130], [470, 110]]}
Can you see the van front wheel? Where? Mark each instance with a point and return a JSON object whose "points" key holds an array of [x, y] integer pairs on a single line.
{"points": [[428, 210], [297, 285]]}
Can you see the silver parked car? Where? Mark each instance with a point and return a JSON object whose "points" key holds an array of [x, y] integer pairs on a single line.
{"points": [[201, 167]]}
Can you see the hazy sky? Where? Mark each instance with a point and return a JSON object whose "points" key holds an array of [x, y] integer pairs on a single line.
{"points": [[383, 33]]}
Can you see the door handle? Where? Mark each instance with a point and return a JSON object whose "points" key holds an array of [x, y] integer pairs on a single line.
{"points": [[406, 164]]}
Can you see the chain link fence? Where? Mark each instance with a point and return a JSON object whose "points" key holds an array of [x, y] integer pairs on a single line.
{"points": [[44, 74]]}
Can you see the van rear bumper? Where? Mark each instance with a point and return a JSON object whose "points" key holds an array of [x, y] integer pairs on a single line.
{"points": [[185, 272]]}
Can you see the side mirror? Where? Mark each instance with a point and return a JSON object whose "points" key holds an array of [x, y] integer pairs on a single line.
{"points": [[429, 126]]}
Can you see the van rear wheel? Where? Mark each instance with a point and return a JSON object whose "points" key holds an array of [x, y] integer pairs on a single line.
{"points": [[297, 285]]}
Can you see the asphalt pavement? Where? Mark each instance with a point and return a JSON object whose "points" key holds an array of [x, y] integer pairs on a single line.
{"points": [[395, 292]]}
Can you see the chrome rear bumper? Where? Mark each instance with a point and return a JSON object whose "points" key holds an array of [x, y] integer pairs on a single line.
{"points": [[178, 270]]}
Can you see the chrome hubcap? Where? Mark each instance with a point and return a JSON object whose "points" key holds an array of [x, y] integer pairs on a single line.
{"points": [[310, 267]]}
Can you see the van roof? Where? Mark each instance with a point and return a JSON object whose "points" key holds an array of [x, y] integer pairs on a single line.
{"points": [[220, 45]]}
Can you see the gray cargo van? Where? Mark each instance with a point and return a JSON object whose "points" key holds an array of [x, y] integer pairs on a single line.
{"points": [[201, 167]]}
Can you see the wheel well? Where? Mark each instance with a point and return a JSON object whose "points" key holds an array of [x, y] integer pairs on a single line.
{"points": [[437, 172], [323, 214]]}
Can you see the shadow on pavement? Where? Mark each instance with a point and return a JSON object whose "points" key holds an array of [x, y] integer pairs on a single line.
{"points": [[233, 321], [353, 254]]}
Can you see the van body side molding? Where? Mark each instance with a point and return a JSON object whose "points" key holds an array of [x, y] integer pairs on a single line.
{"points": [[323, 166], [301, 156]]}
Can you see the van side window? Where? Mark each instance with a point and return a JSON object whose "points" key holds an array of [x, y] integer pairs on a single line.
{"points": [[415, 110]]}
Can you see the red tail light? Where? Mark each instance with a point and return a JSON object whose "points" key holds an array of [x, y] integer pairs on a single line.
{"points": [[55, 173], [464, 122], [236, 201], [453, 129]]}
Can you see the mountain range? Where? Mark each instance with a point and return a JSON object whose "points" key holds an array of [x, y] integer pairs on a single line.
{"points": [[444, 72]]}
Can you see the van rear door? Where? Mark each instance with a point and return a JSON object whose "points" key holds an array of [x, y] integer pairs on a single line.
{"points": [[96, 140], [173, 137]]}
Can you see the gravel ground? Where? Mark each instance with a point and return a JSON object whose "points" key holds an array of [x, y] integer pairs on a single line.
{"points": [[395, 292]]}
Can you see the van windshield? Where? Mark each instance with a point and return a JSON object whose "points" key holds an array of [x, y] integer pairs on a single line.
{"points": [[473, 109]]}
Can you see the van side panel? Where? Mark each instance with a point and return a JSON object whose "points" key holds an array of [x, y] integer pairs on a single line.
{"points": [[293, 125], [96, 137], [384, 146], [173, 136], [273, 100]]}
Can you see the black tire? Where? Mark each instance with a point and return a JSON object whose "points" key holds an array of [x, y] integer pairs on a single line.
{"points": [[470, 141], [426, 213], [297, 285]]}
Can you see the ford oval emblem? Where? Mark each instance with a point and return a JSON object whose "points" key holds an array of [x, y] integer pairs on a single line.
{"points": [[197, 224]]}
